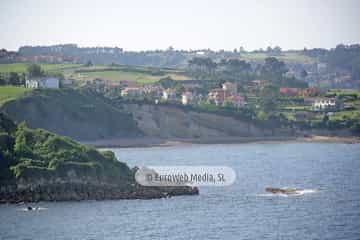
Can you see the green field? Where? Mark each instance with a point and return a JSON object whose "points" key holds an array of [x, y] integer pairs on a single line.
{"points": [[8, 93], [21, 67], [137, 74], [286, 56]]}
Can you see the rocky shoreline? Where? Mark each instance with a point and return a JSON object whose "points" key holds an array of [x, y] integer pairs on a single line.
{"points": [[163, 142], [78, 192]]}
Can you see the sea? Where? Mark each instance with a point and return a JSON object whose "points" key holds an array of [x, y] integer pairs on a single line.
{"points": [[327, 205]]}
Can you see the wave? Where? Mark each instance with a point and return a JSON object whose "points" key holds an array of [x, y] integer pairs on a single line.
{"points": [[299, 192]]}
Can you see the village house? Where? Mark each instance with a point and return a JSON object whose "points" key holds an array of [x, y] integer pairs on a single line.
{"points": [[217, 96], [326, 103], [187, 98], [67, 82], [236, 100], [229, 87], [132, 92], [310, 92], [153, 91], [259, 83], [45, 82], [289, 92], [169, 95]]}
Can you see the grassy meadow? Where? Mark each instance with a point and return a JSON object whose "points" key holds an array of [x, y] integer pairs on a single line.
{"points": [[138, 74], [8, 93]]}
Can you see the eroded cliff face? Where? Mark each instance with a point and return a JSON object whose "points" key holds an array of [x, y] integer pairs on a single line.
{"points": [[173, 122]]}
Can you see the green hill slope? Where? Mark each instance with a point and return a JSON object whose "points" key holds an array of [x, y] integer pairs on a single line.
{"points": [[79, 114]]}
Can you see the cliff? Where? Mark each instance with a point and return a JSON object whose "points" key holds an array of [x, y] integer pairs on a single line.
{"points": [[167, 121]]}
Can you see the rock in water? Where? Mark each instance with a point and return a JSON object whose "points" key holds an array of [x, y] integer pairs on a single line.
{"points": [[287, 191]]}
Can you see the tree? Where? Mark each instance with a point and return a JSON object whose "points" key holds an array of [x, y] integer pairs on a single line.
{"points": [[2, 81], [34, 70], [202, 68], [303, 74], [14, 79], [89, 63], [268, 98], [179, 89], [273, 70]]}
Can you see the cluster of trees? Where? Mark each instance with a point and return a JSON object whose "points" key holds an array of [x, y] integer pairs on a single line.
{"points": [[237, 70], [345, 57], [12, 78]]}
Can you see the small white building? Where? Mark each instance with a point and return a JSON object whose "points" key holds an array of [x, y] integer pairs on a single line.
{"points": [[45, 82], [169, 95], [230, 87], [187, 98], [326, 103]]}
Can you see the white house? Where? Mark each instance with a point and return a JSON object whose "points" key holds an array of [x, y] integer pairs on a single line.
{"points": [[326, 103], [169, 95], [230, 87], [45, 82], [187, 98]]}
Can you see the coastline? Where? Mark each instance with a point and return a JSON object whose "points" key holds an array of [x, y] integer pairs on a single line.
{"points": [[168, 142]]}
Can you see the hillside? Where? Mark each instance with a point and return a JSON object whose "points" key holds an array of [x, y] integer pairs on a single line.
{"points": [[79, 114], [38, 165], [86, 116]]}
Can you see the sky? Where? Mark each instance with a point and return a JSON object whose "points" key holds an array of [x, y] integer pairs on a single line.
{"points": [[183, 24]]}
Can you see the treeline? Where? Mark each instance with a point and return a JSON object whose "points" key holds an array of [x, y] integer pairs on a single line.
{"points": [[243, 72], [346, 57], [12, 78]]}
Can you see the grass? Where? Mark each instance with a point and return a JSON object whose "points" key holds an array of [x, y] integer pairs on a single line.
{"points": [[297, 108], [346, 115], [116, 76], [139, 74], [8, 93], [21, 67], [288, 57]]}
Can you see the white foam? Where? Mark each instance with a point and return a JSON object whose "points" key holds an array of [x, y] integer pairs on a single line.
{"points": [[296, 193]]}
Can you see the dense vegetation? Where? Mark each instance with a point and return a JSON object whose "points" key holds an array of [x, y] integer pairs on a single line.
{"points": [[346, 57], [36, 153], [243, 72], [157, 58]]}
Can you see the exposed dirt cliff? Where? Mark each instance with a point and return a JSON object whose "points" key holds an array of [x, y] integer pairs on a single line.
{"points": [[173, 122]]}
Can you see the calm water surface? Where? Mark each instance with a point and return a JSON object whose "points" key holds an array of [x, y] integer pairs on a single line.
{"points": [[329, 210]]}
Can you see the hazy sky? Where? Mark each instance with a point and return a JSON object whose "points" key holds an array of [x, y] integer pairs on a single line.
{"points": [[183, 24]]}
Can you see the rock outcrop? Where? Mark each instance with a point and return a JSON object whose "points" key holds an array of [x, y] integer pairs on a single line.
{"points": [[77, 192]]}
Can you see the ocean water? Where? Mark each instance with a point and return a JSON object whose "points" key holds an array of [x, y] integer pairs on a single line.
{"points": [[328, 208]]}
